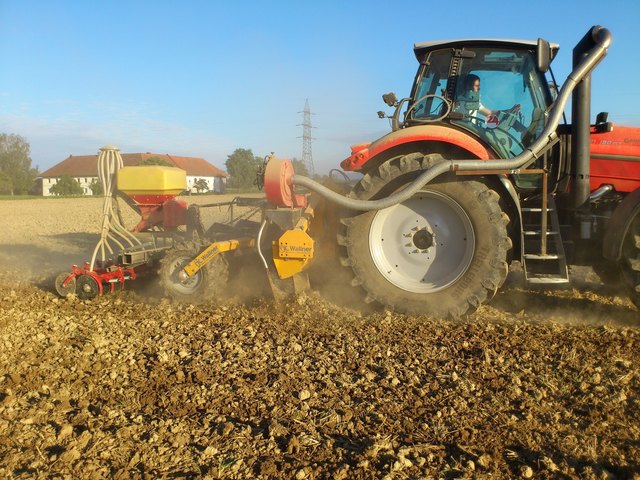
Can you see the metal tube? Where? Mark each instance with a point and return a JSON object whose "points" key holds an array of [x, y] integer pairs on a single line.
{"points": [[259, 239], [600, 192], [580, 139], [366, 205], [545, 215], [580, 123]]}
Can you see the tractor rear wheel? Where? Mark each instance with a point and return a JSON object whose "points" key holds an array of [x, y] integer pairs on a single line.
{"points": [[442, 252], [206, 284], [631, 260]]}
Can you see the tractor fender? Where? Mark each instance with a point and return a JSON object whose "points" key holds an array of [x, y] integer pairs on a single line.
{"points": [[619, 224], [363, 153], [514, 204]]}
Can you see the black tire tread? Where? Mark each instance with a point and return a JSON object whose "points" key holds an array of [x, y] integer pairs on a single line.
{"points": [[375, 184], [215, 274], [630, 262]]}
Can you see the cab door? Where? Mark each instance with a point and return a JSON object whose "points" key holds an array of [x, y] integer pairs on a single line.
{"points": [[508, 109]]}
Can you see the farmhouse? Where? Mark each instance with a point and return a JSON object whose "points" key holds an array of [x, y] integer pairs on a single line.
{"points": [[84, 169]]}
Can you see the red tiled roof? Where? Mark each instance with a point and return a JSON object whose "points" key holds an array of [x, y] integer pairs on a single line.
{"points": [[196, 166], [87, 165]]}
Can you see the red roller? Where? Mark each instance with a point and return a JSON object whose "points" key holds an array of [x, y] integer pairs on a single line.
{"points": [[278, 187]]}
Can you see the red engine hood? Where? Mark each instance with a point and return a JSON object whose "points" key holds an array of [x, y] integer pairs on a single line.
{"points": [[615, 159]]}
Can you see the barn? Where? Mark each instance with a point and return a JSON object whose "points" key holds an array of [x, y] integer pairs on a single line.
{"points": [[84, 169]]}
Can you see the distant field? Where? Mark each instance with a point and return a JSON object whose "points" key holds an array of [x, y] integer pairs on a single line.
{"points": [[230, 191], [49, 233], [21, 197]]}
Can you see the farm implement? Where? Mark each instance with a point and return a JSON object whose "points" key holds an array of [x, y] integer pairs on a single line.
{"points": [[445, 202], [171, 240]]}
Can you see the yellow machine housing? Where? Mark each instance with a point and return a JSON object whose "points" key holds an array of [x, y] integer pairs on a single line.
{"points": [[152, 180], [293, 251]]}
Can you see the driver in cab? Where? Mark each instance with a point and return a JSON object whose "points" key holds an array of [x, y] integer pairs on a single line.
{"points": [[469, 102]]}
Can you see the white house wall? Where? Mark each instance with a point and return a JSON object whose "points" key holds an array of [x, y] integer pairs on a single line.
{"points": [[220, 185], [85, 183], [214, 184]]}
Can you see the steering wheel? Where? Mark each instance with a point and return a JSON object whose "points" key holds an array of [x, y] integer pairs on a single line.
{"points": [[506, 121], [475, 120], [428, 120], [536, 117]]}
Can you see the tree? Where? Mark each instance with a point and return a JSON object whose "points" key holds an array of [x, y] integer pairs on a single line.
{"points": [[299, 167], [242, 167], [96, 187], [5, 183], [156, 161], [66, 185], [16, 173], [201, 184]]}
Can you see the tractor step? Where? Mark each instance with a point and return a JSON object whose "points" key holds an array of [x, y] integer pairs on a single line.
{"points": [[535, 209], [547, 280], [533, 233], [536, 256], [543, 256]]}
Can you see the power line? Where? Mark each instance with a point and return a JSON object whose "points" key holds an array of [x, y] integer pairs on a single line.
{"points": [[307, 155]]}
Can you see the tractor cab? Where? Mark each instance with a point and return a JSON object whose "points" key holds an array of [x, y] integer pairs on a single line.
{"points": [[494, 89]]}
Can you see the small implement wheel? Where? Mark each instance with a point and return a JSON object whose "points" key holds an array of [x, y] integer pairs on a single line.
{"points": [[87, 287], [62, 289], [207, 283]]}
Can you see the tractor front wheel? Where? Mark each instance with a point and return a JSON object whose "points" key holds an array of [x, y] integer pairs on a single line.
{"points": [[442, 252]]}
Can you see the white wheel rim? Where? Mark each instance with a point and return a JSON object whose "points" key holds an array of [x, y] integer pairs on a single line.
{"points": [[422, 245], [187, 286]]}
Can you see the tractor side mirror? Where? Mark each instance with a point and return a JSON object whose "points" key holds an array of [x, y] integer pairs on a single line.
{"points": [[390, 99], [543, 55], [603, 125]]}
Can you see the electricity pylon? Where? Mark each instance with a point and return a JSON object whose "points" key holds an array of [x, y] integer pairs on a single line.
{"points": [[307, 155]]}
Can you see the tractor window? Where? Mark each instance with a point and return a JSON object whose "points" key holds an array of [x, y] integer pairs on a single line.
{"points": [[432, 80], [500, 94]]}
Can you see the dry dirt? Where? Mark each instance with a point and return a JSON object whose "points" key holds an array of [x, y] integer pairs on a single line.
{"points": [[540, 384]]}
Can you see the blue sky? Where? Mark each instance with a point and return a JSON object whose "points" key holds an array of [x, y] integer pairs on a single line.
{"points": [[202, 78]]}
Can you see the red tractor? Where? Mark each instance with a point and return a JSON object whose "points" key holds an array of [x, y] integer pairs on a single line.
{"points": [[464, 184], [480, 170]]}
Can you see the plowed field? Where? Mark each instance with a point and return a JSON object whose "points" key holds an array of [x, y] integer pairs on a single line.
{"points": [[538, 384]]}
